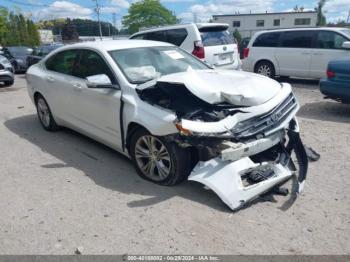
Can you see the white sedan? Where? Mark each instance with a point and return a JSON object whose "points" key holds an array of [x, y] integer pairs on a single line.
{"points": [[174, 116]]}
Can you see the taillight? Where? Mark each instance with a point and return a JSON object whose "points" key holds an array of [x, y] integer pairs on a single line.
{"points": [[245, 52], [330, 74], [198, 50]]}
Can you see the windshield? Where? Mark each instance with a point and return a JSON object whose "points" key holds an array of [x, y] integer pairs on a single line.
{"points": [[142, 64], [346, 32]]}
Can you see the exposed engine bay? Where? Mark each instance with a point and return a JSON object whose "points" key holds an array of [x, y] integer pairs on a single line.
{"points": [[176, 97]]}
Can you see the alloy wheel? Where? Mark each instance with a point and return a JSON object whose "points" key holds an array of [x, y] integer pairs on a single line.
{"points": [[153, 158], [43, 112], [264, 70]]}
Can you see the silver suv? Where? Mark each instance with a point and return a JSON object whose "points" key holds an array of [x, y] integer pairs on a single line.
{"points": [[212, 43]]}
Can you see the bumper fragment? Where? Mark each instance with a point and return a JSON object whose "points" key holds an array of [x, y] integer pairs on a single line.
{"points": [[224, 178], [226, 174]]}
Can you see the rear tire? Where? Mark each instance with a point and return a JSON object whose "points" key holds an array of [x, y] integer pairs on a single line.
{"points": [[44, 114], [265, 68], [158, 160]]}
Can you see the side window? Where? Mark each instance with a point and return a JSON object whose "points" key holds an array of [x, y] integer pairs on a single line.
{"points": [[62, 62], [176, 36], [329, 40], [297, 39], [267, 40], [90, 64], [156, 36]]}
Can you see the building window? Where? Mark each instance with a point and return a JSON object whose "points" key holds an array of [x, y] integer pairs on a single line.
{"points": [[236, 23], [302, 21], [276, 22], [260, 23]]}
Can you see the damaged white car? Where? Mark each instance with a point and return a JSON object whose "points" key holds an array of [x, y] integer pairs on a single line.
{"points": [[174, 116]]}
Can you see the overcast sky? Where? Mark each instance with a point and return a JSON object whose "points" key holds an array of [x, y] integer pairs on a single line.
{"points": [[185, 9]]}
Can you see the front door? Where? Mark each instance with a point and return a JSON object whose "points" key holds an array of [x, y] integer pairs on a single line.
{"points": [[96, 110]]}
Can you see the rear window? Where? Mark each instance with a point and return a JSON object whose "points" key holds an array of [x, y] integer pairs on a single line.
{"points": [[267, 40], [213, 36], [297, 39]]}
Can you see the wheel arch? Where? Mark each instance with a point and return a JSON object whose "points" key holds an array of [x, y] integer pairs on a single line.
{"points": [[131, 129], [36, 95]]}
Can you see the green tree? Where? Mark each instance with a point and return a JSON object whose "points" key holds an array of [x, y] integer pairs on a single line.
{"points": [[84, 27], [16, 29], [147, 13], [69, 32], [321, 19], [237, 36], [3, 24], [34, 37], [23, 30]]}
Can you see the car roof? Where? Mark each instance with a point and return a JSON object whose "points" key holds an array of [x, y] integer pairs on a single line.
{"points": [[302, 29], [116, 44], [197, 25]]}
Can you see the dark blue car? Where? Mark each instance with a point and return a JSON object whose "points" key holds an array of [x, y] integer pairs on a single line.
{"points": [[337, 84]]}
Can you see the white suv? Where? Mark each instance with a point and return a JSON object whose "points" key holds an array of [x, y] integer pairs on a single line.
{"points": [[208, 41], [296, 52]]}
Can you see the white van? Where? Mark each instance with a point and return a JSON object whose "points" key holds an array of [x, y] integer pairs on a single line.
{"points": [[210, 42], [302, 52]]}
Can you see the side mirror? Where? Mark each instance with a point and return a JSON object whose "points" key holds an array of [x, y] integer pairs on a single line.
{"points": [[346, 45], [100, 81]]}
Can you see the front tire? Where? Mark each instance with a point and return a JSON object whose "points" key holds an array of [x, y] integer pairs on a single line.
{"points": [[265, 68], [45, 115], [158, 160]]}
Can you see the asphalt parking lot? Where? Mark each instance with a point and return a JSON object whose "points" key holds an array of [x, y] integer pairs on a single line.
{"points": [[60, 191]]}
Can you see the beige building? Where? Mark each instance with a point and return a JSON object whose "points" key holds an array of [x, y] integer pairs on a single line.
{"points": [[46, 36], [248, 24]]}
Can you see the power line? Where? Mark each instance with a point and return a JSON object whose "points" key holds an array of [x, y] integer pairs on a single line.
{"points": [[97, 10]]}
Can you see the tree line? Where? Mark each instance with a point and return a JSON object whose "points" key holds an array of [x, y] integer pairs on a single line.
{"points": [[16, 29], [84, 27]]}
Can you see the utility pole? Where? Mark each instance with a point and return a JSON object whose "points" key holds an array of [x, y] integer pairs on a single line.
{"points": [[347, 21], [97, 10], [114, 22]]}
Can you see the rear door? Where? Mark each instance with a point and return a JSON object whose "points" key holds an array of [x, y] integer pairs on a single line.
{"points": [[58, 85], [293, 56], [328, 47], [219, 46]]}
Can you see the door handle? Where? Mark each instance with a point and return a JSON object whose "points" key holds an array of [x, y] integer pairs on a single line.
{"points": [[306, 53], [50, 79], [318, 54]]}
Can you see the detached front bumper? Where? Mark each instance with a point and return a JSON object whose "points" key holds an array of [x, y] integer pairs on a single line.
{"points": [[226, 174]]}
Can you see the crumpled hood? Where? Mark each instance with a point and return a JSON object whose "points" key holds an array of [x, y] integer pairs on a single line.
{"points": [[235, 87]]}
